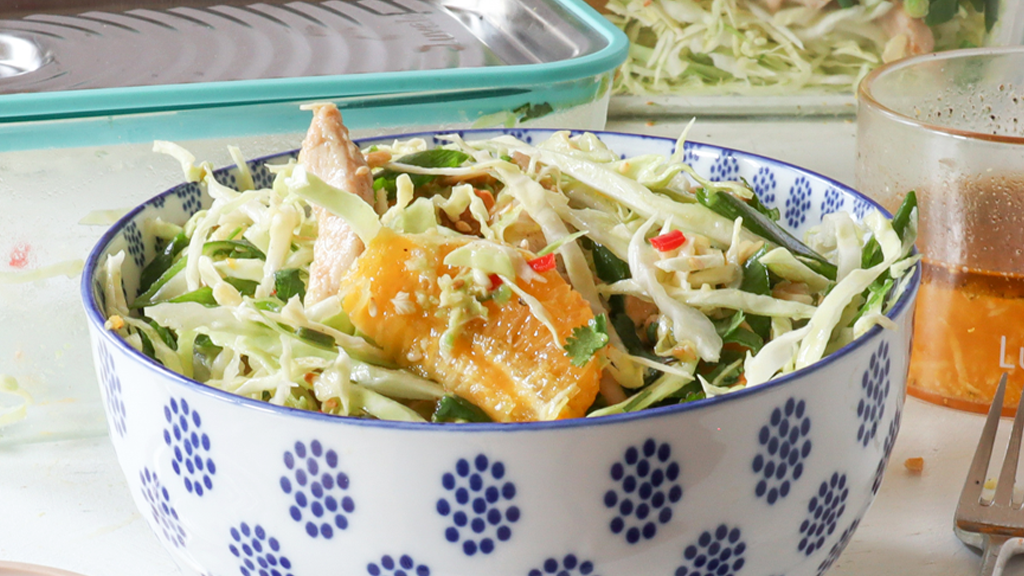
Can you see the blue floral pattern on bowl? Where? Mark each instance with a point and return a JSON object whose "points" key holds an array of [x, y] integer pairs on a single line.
{"points": [[887, 445], [163, 514], [785, 444], [690, 153], [569, 565], [259, 553], [838, 547], [875, 390], [136, 248], [262, 177], [227, 178], [860, 208], [825, 509], [191, 196], [764, 184], [478, 506], [798, 203], [833, 201], [726, 167], [405, 566], [717, 552], [117, 413], [189, 447], [647, 478], [318, 487]]}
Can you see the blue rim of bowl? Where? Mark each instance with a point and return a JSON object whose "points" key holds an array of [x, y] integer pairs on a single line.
{"points": [[96, 318]]}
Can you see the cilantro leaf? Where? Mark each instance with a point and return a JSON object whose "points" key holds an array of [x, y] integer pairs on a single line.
{"points": [[587, 340], [287, 283]]}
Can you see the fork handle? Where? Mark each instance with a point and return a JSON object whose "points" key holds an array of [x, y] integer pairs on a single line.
{"points": [[998, 550], [992, 561]]}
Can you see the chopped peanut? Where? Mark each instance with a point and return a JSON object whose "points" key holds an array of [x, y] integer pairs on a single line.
{"points": [[915, 465], [115, 322]]}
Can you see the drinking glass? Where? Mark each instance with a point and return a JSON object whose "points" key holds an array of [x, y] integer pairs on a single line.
{"points": [[950, 126]]}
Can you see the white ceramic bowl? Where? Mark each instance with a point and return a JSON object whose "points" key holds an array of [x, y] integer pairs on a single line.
{"points": [[767, 481]]}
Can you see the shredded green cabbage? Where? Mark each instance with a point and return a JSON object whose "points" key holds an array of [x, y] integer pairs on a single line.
{"points": [[669, 281], [693, 47]]}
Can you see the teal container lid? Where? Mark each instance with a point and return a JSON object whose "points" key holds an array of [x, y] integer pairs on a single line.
{"points": [[147, 60]]}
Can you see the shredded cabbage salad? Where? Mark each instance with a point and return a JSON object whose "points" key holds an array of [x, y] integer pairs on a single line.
{"points": [[695, 290], [768, 47]]}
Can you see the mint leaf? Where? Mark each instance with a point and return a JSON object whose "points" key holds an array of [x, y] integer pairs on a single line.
{"points": [[587, 340]]}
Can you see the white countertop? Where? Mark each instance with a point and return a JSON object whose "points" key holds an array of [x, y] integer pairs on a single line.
{"points": [[65, 504]]}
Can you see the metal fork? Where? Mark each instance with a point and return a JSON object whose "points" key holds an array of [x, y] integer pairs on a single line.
{"points": [[997, 525]]}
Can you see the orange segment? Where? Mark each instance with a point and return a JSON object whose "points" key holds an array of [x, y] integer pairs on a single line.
{"points": [[508, 364]]}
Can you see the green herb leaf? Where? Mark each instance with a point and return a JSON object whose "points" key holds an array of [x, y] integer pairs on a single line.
{"points": [[756, 280], [941, 11], [728, 325], [872, 254], [755, 274], [626, 330], [587, 340], [233, 249], [203, 296], [901, 219], [732, 207], [609, 267], [287, 283], [317, 338], [433, 158], [165, 334], [147, 345], [146, 298], [727, 362], [155, 269], [205, 346], [533, 111], [991, 13], [268, 304], [874, 296], [755, 203], [452, 408], [732, 332], [244, 287]]}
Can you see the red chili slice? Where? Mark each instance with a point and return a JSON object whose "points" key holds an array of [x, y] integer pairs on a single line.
{"points": [[496, 281], [668, 241], [543, 263]]}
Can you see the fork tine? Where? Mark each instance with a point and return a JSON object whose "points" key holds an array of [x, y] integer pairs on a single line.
{"points": [[975, 482], [1008, 474]]}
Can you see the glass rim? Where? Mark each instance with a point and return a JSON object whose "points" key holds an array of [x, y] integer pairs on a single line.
{"points": [[867, 99]]}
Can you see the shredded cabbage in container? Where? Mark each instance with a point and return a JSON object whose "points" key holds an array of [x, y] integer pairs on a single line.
{"points": [[782, 47], [693, 288]]}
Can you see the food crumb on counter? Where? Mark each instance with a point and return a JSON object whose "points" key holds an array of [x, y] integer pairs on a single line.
{"points": [[914, 465]]}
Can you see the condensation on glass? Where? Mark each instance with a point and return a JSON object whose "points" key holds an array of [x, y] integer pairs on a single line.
{"points": [[951, 127]]}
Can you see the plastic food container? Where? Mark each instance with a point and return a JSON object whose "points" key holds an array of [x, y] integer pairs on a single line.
{"points": [[85, 90], [951, 127], [758, 57]]}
